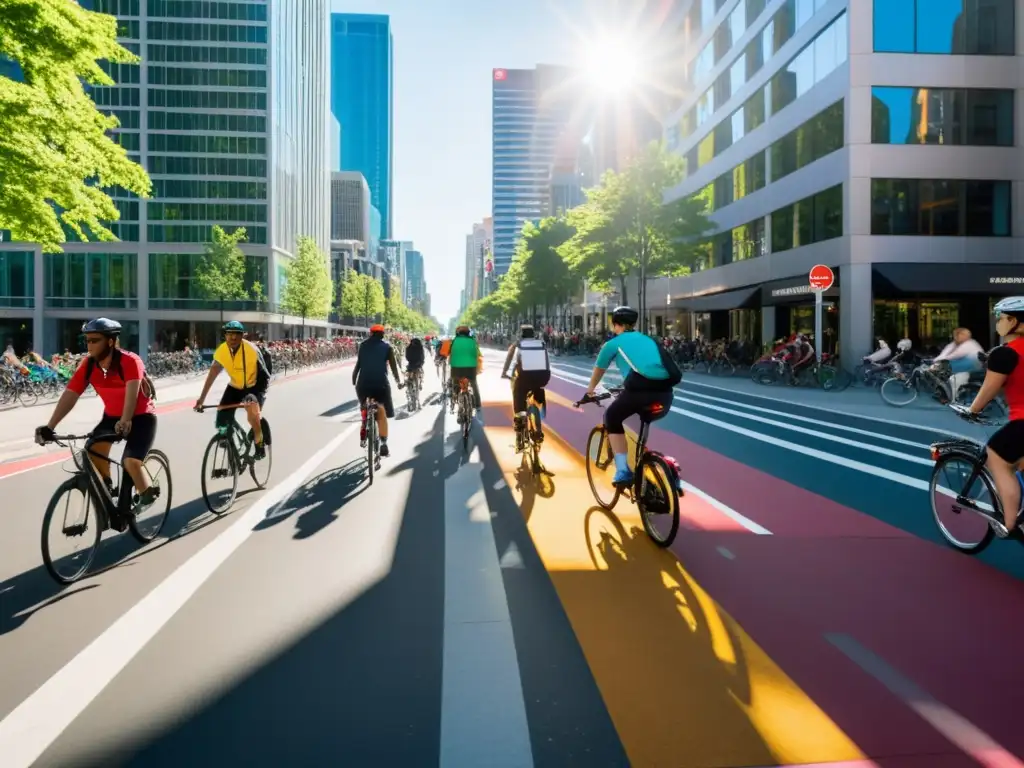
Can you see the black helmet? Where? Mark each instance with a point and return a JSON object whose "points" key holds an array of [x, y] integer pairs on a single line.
{"points": [[625, 316], [102, 325], [527, 332]]}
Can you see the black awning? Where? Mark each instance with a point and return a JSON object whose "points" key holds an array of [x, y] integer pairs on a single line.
{"points": [[902, 279], [795, 290], [715, 302]]}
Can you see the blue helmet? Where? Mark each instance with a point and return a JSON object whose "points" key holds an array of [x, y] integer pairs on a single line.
{"points": [[233, 326], [102, 325]]}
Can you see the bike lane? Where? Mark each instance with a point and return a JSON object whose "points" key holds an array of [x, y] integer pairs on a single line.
{"points": [[783, 627]]}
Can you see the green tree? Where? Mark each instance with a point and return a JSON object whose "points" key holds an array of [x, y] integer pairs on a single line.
{"points": [[307, 292], [625, 229], [220, 274], [544, 277], [361, 296], [56, 158]]}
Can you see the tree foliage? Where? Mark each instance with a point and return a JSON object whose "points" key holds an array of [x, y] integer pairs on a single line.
{"points": [[220, 274], [625, 229], [400, 317], [309, 288], [55, 155], [361, 296]]}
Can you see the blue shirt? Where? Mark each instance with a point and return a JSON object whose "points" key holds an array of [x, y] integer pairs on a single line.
{"points": [[633, 351]]}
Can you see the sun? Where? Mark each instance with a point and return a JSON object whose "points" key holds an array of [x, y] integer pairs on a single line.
{"points": [[611, 65]]}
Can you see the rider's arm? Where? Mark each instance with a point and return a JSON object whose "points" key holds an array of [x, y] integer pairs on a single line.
{"points": [[604, 359], [1001, 363], [508, 359], [393, 363], [76, 386], [215, 369], [355, 368]]}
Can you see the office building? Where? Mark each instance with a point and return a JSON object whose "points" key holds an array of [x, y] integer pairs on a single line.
{"points": [[478, 257], [226, 112], [353, 217], [362, 99], [873, 136], [415, 282], [530, 109]]}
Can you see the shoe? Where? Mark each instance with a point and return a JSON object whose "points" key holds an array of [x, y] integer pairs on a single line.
{"points": [[384, 451], [537, 436], [147, 498], [623, 477], [260, 453]]}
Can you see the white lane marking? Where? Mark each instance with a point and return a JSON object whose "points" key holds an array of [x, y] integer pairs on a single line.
{"points": [[954, 726], [735, 392], [728, 511], [483, 715], [725, 553], [841, 461], [31, 727], [512, 558]]}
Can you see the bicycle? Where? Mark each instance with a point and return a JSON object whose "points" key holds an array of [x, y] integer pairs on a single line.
{"points": [[372, 439], [653, 496], [529, 437], [462, 404], [413, 379], [87, 481], [229, 453], [442, 374]]}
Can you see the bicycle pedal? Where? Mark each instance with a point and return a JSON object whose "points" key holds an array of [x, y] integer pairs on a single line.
{"points": [[76, 530], [219, 473]]}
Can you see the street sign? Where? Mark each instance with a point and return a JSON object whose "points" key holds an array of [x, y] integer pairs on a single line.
{"points": [[821, 278]]}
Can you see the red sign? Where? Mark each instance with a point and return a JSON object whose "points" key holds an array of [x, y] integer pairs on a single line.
{"points": [[821, 277], [500, 74], [488, 266]]}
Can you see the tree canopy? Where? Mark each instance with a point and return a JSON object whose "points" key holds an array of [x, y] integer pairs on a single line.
{"points": [[401, 317], [308, 291], [56, 158], [220, 274], [361, 296]]}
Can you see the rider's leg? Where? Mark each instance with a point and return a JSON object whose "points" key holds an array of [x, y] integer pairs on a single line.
{"points": [[384, 410], [1005, 452], [252, 414], [140, 441], [621, 408]]}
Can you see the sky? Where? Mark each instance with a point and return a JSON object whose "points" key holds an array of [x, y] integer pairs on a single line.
{"points": [[444, 53]]}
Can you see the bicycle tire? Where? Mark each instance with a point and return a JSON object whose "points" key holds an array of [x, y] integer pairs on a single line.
{"points": [[666, 490], [371, 437], [267, 461], [27, 397], [166, 491], [223, 441], [603, 444], [79, 484], [986, 479], [897, 385]]}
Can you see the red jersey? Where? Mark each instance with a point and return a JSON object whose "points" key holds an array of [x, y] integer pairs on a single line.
{"points": [[111, 387], [1013, 387]]}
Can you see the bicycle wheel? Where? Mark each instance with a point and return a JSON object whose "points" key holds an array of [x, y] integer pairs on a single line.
{"points": [[601, 469], [218, 464], [27, 395], [76, 525], [260, 470], [826, 378], [371, 445], [962, 528], [898, 391], [466, 417], [657, 500], [145, 526]]}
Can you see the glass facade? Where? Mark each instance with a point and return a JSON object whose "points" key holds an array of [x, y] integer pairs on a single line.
{"points": [[172, 282], [93, 280], [941, 207], [747, 241], [968, 116], [984, 27], [362, 100], [17, 279], [821, 135], [811, 220]]}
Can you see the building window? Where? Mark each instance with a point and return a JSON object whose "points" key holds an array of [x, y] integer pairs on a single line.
{"points": [[17, 279], [937, 207], [819, 136], [983, 27], [101, 280], [974, 116], [811, 220], [814, 63]]}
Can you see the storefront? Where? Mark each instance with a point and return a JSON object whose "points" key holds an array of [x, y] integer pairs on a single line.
{"points": [[726, 315], [926, 302], [788, 308]]}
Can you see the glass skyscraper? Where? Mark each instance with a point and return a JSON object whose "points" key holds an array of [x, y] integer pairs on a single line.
{"points": [[226, 113], [362, 100]]}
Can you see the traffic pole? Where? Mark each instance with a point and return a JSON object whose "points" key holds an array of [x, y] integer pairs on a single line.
{"points": [[817, 324]]}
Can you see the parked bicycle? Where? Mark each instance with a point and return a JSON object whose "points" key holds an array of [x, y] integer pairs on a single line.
{"points": [[656, 488], [101, 507], [228, 454]]}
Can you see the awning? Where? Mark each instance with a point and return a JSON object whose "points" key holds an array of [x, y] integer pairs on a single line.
{"points": [[744, 298], [795, 290], [901, 279]]}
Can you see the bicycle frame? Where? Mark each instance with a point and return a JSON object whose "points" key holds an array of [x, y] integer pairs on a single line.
{"points": [[97, 489], [234, 430]]}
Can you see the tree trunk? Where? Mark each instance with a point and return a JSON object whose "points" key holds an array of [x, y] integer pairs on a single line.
{"points": [[222, 312], [622, 286]]}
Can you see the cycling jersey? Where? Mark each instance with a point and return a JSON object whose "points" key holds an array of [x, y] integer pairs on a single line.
{"points": [[464, 353], [242, 367], [112, 388], [1006, 360], [633, 351], [445, 349], [372, 361]]}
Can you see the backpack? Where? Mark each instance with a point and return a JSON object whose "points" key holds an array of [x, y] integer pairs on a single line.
{"points": [[265, 357], [533, 360], [638, 383], [147, 387]]}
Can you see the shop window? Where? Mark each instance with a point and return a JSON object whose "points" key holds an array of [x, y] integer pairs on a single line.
{"points": [[936, 323]]}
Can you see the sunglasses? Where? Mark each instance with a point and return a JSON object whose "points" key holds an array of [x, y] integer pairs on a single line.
{"points": [[95, 340]]}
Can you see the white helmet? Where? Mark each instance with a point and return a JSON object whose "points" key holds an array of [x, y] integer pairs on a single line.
{"points": [[882, 343], [1012, 305], [904, 345]]}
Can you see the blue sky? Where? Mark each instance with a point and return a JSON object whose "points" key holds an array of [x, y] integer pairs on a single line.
{"points": [[444, 53]]}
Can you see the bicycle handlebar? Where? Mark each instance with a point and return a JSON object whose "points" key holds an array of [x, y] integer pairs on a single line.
{"points": [[964, 412], [597, 398], [63, 440]]}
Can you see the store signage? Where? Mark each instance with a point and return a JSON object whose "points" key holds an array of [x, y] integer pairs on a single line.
{"points": [[794, 290], [1006, 280]]}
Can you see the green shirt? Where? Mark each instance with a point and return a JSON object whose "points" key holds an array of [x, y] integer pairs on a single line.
{"points": [[464, 352]]}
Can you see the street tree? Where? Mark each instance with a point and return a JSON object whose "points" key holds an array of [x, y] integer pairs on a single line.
{"points": [[220, 274], [307, 292], [544, 277], [626, 230], [56, 157], [362, 296]]}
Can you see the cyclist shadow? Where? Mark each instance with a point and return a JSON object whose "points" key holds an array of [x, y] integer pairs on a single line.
{"points": [[532, 486], [318, 501], [338, 410]]}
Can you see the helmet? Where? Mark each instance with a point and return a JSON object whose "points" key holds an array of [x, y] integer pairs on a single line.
{"points": [[102, 325], [527, 332], [1012, 305], [625, 316], [882, 343], [904, 345], [377, 328], [233, 326], [462, 330]]}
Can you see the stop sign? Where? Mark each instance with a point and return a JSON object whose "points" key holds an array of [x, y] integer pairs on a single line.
{"points": [[821, 277]]}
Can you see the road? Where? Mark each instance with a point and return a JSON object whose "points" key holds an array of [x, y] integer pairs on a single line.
{"points": [[460, 613]]}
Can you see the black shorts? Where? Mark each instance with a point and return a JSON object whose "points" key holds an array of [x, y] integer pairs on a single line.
{"points": [[1008, 442], [234, 396], [653, 406], [379, 392], [139, 441], [525, 383]]}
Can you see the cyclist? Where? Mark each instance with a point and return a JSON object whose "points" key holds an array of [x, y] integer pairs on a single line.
{"points": [[646, 382], [465, 360], [532, 371], [962, 355], [370, 378], [128, 408], [443, 348], [1006, 372], [248, 380], [414, 359]]}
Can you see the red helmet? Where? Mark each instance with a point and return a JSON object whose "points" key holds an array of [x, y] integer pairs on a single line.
{"points": [[377, 328]]}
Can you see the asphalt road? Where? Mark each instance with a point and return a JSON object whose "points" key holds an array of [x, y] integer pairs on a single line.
{"points": [[459, 612]]}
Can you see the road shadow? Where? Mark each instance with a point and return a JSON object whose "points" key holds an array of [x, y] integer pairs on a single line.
{"points": [[338, 410], [317, 502]]}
